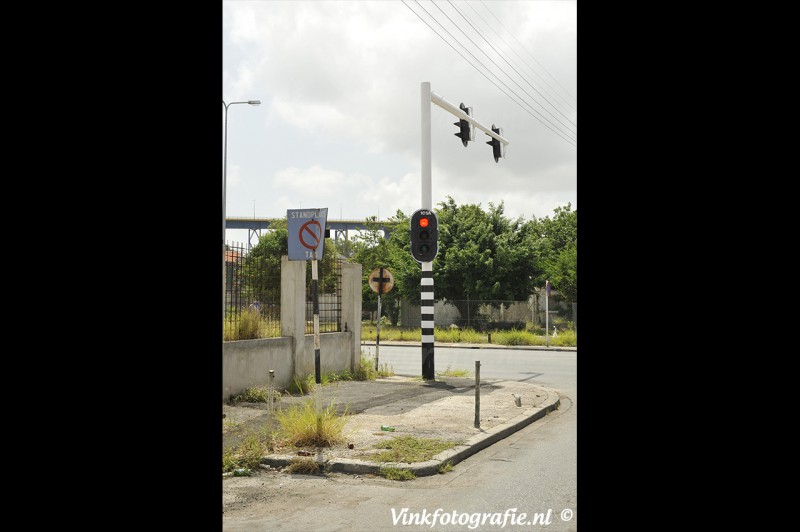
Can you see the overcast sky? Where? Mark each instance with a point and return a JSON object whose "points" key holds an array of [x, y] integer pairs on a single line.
{"points": [[339, 122]]}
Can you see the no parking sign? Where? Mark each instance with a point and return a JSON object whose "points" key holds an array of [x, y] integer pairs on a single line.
{"points": [[306, 233]]}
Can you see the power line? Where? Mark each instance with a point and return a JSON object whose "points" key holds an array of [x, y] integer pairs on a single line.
{"points": [[526, 50], [552, 91], [515, 70], [527, 64], [559, 133], [503, 71]]}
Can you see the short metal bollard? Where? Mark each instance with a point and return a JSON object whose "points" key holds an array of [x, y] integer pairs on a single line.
{"points": [[271, 388], [477, 394]]}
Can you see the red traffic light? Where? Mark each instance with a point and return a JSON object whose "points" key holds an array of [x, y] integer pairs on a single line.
{"points": [[423, 222]]}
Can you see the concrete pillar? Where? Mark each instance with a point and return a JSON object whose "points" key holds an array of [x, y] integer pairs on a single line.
{"points": [[351, 309], [293, 313]]}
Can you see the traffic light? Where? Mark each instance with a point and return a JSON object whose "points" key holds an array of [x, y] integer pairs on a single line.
{"points": [[465, 133], [495, 144], [424, 235]]}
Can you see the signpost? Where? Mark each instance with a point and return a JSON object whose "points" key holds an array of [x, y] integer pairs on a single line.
{"points": [[547, 314], [381, 281], [306, 240]]}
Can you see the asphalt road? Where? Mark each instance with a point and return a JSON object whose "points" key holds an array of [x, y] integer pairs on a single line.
{"points": [[533, 471]]}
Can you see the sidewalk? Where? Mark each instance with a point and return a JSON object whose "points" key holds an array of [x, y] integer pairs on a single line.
{"points": [[443, 409]]}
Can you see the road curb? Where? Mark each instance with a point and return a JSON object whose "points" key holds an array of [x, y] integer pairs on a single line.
{"points": [[473, 445]]}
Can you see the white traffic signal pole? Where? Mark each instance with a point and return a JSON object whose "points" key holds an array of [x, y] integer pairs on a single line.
{"points": [[426, 289], [426, 282]]}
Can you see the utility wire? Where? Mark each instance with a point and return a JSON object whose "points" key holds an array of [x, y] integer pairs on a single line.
{"points": [[515, 70], [501, 70], [537, 62], [527, 64], [557, 132]]}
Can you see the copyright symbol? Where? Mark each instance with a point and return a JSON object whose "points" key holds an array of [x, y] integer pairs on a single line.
{"points": [[566, 514]]}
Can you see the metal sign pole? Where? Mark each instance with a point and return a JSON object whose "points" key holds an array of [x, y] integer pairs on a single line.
{"points": [[378, 327], [315, 297], [547, 313], [378, 335], [317, 372]]}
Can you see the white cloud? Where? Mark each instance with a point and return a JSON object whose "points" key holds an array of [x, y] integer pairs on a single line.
{"points": [[348, 74]]}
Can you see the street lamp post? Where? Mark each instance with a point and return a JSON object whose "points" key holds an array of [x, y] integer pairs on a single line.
{"points": [[224, 188]]}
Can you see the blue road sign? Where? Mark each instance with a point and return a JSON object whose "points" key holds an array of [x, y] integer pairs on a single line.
{"points": [[306, 229]]}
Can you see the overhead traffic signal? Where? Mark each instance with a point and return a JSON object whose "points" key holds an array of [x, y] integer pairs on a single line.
{"points": [[465, 133], [424, 235], [495, 144]]}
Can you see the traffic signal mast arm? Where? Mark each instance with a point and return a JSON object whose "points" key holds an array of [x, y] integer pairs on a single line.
{"points": [[453, 109]]}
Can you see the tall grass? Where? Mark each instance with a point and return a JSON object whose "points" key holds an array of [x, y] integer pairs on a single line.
{"points": [[567, 338], [248, 454], [249, 326], [455, 336], [257, 394], [516, 337], [299, 425], [532, 335]]}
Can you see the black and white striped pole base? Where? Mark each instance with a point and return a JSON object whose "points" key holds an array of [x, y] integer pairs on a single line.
{"points": [[426, 320]]}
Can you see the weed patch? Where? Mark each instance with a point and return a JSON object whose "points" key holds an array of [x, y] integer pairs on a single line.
{"points": [[394, 473], [410, 449]]}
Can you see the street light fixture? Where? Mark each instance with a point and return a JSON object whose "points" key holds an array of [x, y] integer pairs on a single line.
{"points": [[224, 189]]}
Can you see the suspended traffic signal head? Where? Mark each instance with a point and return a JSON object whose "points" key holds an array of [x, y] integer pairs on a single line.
{"points": [[465, 128], [424, 235], [495, 144]]}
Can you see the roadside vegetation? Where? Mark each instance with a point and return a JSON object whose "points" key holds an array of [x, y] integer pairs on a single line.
{"points": [[480, 249], [529, 336], [410, 449], [454, 372], [300, 425], [247, 455], [296, 426], [395, 473]]}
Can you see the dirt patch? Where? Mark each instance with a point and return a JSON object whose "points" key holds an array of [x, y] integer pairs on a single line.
{"points": [[450, 417]]}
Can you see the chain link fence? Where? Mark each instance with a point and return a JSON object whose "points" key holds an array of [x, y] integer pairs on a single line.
{"points": [[492, 315]]}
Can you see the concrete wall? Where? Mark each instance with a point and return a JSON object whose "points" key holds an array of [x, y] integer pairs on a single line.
{"points": [[334, 352], [246, 363]]}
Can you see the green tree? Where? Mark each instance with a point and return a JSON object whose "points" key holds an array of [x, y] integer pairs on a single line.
{"points": [[553, 245], [372, 250], [563, 272], [482, 256], [263, 264]]}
